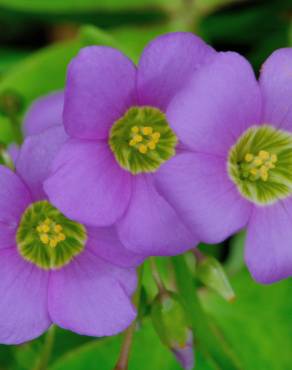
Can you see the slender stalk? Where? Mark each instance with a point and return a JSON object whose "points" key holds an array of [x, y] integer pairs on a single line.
{"points": [[16, 128], [198, 254], [126, 348], [209, 337], [43, 361], [123, 360], [156, 276]]}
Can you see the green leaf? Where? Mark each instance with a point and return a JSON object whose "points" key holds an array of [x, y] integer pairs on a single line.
{"points": [[146, 351], [258, 324], [74, 6], [45, 71], [209, 339]]}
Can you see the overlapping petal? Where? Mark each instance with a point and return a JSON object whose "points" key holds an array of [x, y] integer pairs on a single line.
{"points": [[105, 243], [198, 187], [44, 113], [14, 197], [150, 225], [36, 156], [167, 64], [23, 304], [276, 87], [87, 184], [220, 103], [101, 86], [268, 251], [89, 298]]}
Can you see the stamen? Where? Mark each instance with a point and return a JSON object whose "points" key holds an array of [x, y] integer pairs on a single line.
{"points": [[248, 157], [263, 154], [145, 138], [50, 233], [151, 145], [156, 136], [135, 129], [138, 138], [257, 161], [147, 130], [143, 149], [257, 167], [274, 158]]}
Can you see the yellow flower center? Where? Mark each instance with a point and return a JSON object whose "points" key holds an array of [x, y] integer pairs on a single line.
{"points": [[50, 233], [144, 138], [258, 166]]}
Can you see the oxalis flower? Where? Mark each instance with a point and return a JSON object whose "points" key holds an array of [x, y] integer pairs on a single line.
{"points": [[116, 116], [54, 269], [236, 170]]}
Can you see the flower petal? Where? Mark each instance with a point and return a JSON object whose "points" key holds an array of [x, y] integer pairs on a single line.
{"points": [[198, 187], [276, 87], [23, 304], [150, 225], [13, 151], [268, 250], [88, 297], [220, 103], [166, 64], [44, 113], [87, 184], [14, 197], [101, 85], [105, 243], [36, 156]]}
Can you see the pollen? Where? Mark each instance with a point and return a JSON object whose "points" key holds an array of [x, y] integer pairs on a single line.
{"points": [[274, 158], [257, 161], [143, 148], [151, 145], [143, 138], [138, 138], [156, 136], [257, 166], [264, 155], [50, 233], [248, 157], [147, 130], [135, 129]]}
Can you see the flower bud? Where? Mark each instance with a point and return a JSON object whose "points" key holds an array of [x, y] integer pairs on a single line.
{"points": [[10, 103], [170, 323], [212, 274]]}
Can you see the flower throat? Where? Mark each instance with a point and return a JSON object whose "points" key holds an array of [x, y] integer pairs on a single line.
{"points": [[142, 140]]}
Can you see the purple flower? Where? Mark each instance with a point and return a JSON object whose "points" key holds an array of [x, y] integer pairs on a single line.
{"points": [[53, 269], [236, 171], [185, 354], [13, 150], [116, 116]]}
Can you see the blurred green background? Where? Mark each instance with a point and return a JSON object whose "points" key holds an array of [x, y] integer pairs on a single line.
{"points": [[37, 40]]}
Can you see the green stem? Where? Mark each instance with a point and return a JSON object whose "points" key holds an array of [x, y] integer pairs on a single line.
{"points": [[123, 360], [156, 275], [16, 128], [43, 361], [207, 335]]}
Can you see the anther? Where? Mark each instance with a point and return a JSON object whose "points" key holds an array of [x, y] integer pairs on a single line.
{"points": [[274, 158], [151, 145], [138, 138], [263, 154], [143, 149], [248, 157], [135, 129], [147, 130]]}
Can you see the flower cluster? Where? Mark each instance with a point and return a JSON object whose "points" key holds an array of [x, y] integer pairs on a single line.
{"points": [[130, 162]]}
